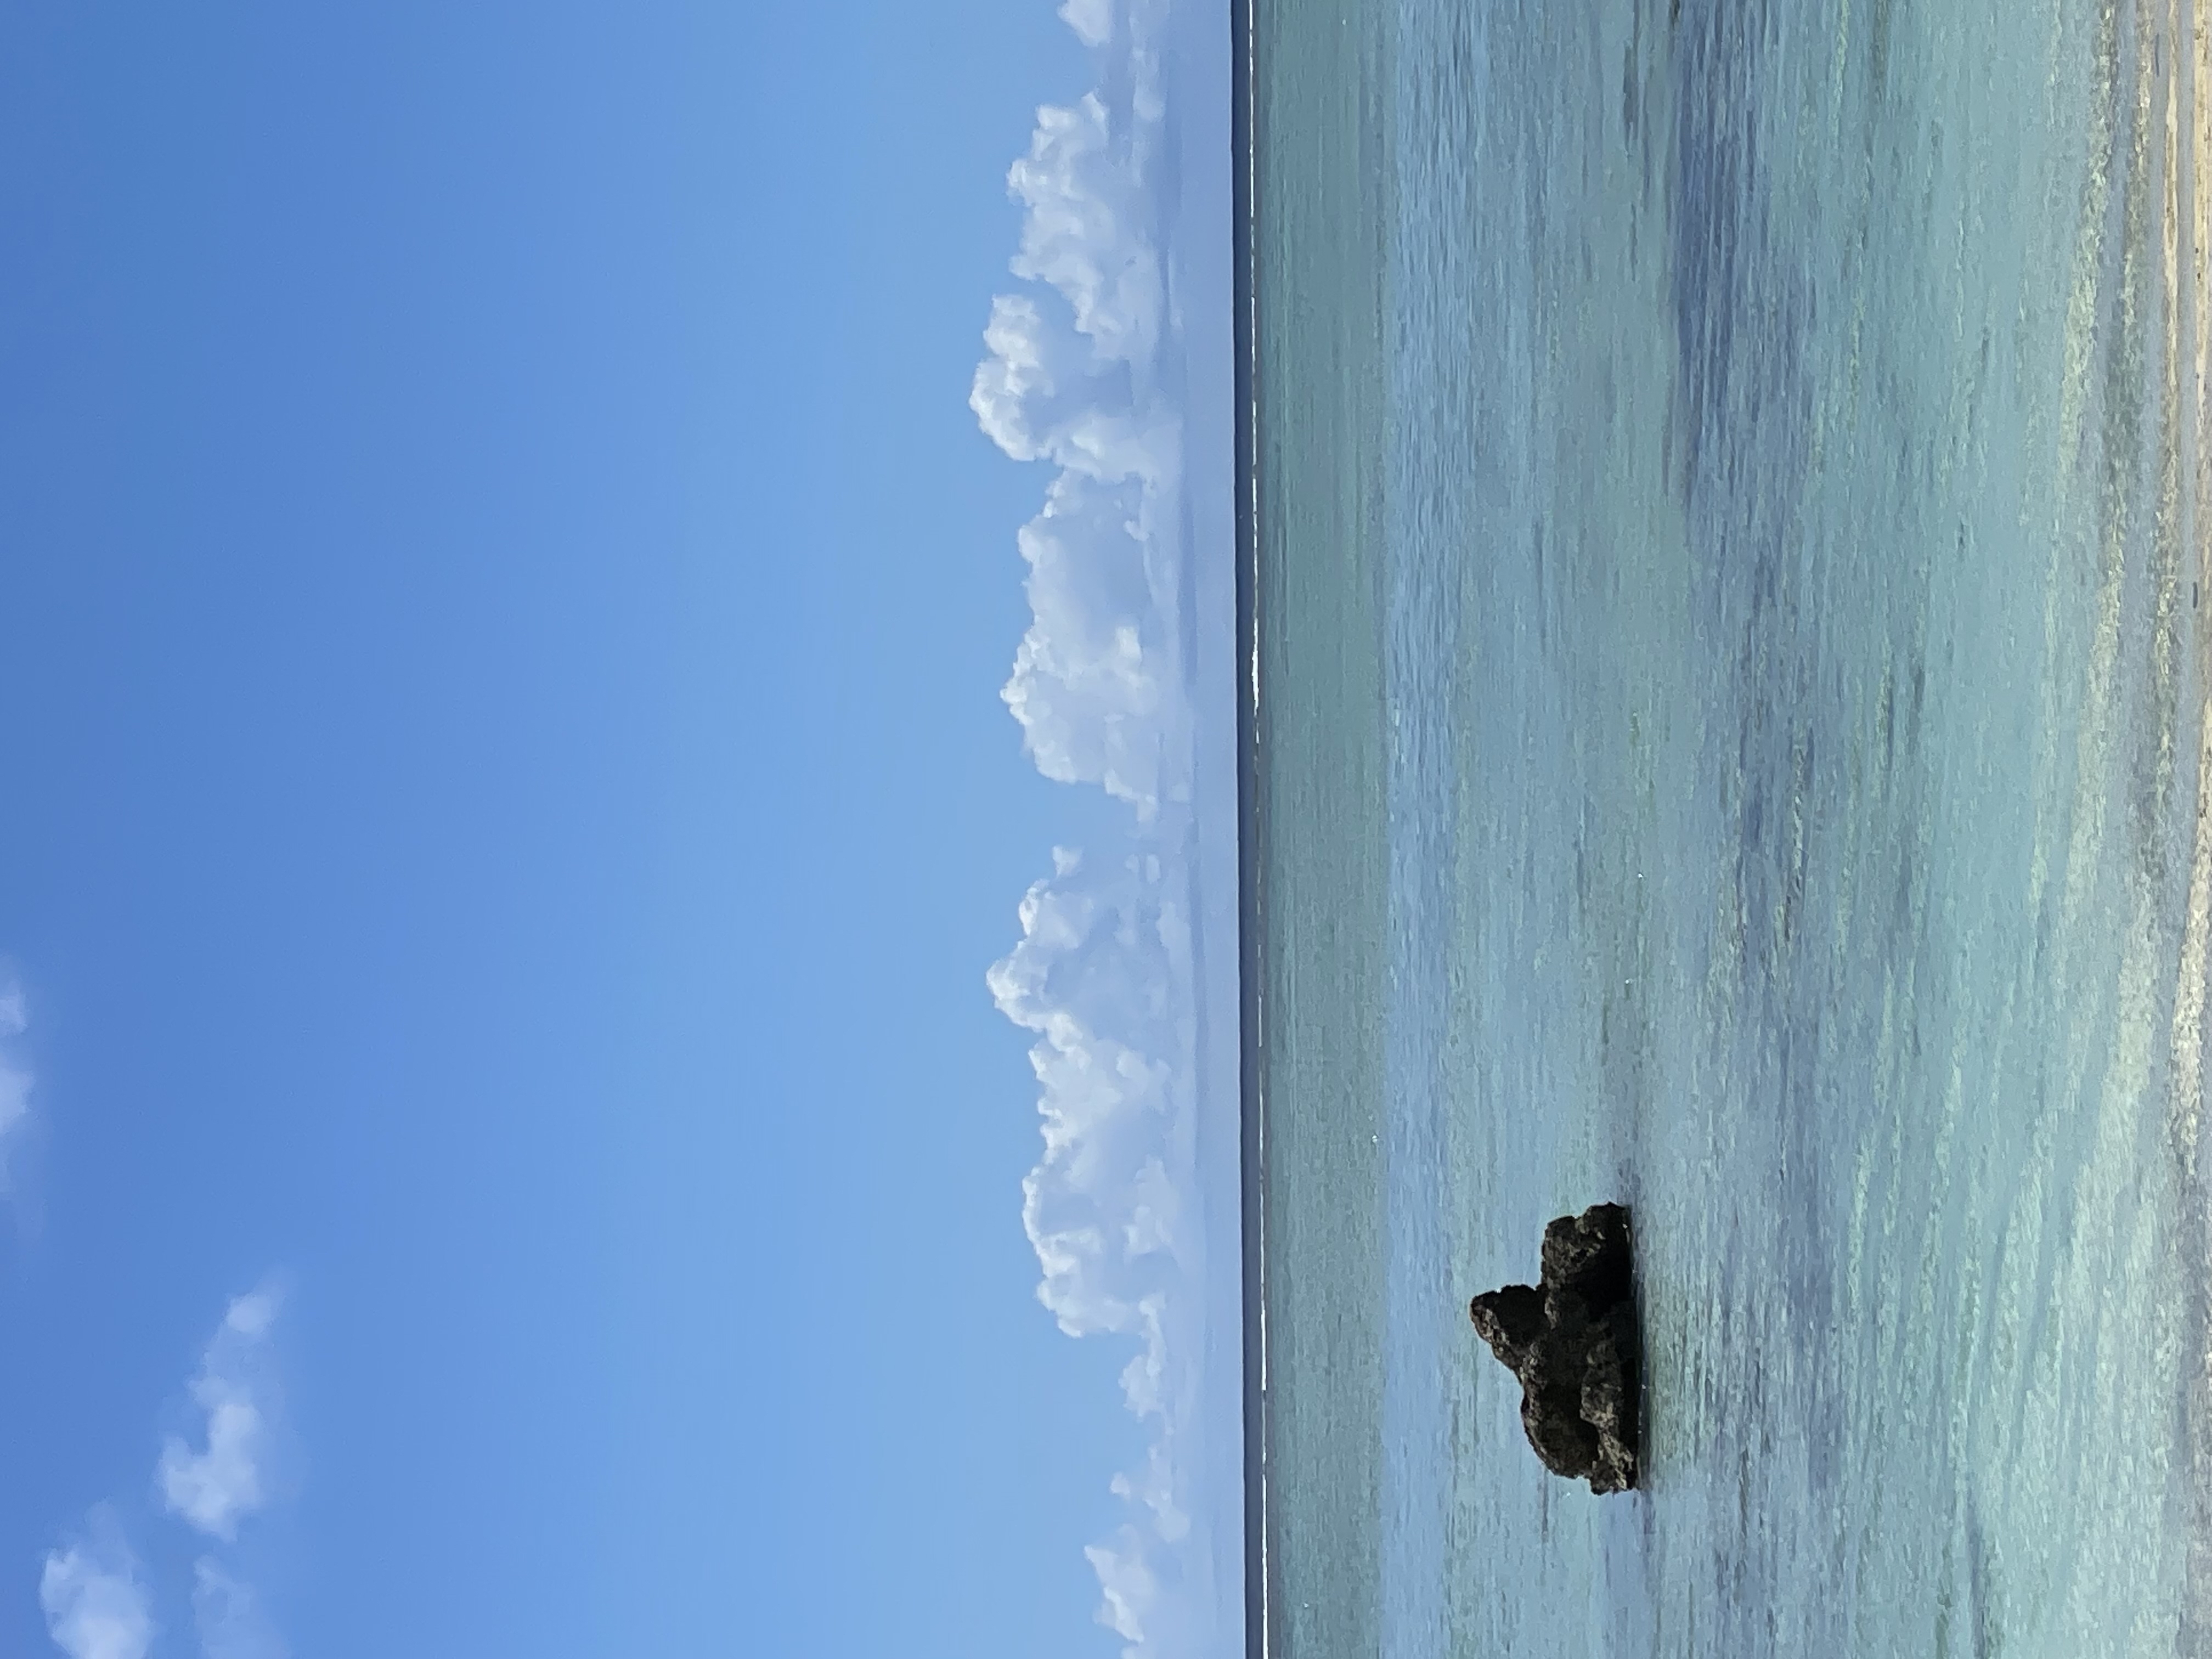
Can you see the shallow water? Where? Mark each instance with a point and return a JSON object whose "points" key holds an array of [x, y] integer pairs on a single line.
{"points": [[1732, 676]]}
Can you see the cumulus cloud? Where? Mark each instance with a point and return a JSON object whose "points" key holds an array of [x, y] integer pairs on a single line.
{"points": [[1086, 371], [1103, 975], [96, 1606], [1074, 378], [1096, 977], [214, 1487]]}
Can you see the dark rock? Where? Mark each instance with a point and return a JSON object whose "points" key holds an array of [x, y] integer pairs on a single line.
{"points": [[1574, 1343]]}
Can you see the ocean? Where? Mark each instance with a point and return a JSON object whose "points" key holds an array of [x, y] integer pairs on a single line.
{"points": [[1731, 621]]}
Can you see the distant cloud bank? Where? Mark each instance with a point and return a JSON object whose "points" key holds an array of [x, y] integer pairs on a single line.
{"points": [[1122, 970]]}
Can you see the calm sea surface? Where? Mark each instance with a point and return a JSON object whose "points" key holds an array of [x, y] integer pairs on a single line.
{"points": [[1733, 713]]}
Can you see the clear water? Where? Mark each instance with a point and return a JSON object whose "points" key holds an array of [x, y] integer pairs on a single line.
{"points": [[1734, 687]]}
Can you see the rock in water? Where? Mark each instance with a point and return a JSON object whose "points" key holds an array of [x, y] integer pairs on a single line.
{"points": [[1573, 1341]]}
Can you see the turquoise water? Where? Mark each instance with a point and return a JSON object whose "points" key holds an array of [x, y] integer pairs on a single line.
{"points": [[1732, 688]]}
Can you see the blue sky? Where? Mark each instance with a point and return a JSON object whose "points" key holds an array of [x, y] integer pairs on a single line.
{"points": [[503, 606]]}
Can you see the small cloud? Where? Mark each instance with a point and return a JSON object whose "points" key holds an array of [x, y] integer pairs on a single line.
{"points": [[1091, 20], [252, 1314], [229, 1614], [96, 1608], [214, 1488], [14, 1072]]}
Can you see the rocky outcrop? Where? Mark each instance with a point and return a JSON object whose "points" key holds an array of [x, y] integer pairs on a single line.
{"points": [[1573, 1339]]}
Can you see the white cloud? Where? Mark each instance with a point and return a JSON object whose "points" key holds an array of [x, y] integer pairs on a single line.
{"points": [[1103, 975], [1077, 382], [14, 1072], [1091, 20], [229, 1614], [1089, 228], [96, 1607], [1093, 977], [214, 1488], [1132, 1209]]}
